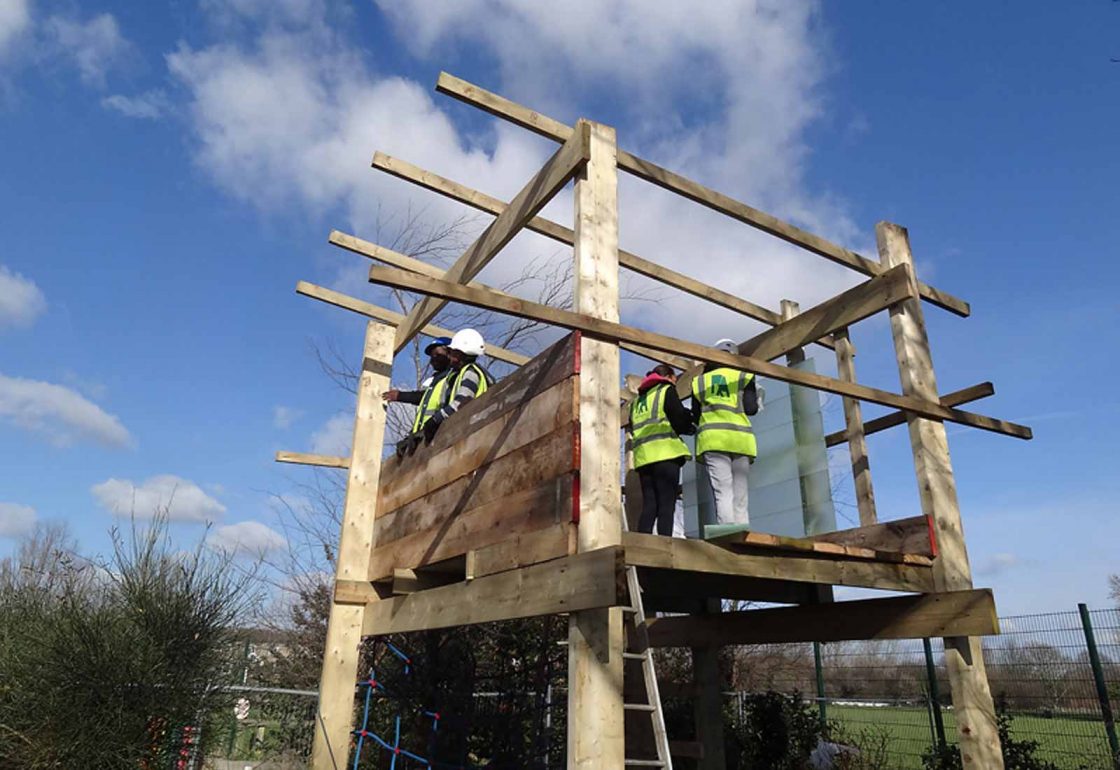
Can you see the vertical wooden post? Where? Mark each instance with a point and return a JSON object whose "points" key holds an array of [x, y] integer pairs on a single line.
{"points": [[708, 704], [857, 441], [595, 637], [335, 717], [964, 659]]}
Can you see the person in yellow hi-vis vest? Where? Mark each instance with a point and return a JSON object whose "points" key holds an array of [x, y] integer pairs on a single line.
{"points": [[657, 421], [428, 400], [722, 399]]}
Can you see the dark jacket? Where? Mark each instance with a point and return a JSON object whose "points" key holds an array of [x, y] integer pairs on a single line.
{"points": [[683, 423]]}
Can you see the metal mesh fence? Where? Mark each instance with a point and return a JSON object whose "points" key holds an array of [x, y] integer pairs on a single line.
{"points": [[1039, 668]]}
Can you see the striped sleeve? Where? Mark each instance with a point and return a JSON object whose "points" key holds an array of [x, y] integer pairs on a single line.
{"points": [[468, 389]]}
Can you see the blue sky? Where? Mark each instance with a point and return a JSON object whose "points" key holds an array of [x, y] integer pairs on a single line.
{"points": [[169, 171]]}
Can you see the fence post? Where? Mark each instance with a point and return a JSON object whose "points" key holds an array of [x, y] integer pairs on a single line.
{"points": [[1098, 678], [934, 695], [821, 708]]}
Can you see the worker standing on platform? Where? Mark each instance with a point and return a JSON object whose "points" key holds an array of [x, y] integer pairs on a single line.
{"points": [[466, 379], [657, 421], [722, 399], [428, 400]]}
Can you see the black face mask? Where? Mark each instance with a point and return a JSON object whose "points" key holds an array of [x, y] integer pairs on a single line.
{"points": [[440, 362]]}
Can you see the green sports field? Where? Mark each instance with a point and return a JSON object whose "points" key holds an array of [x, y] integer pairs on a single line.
{"points": [[1070, 743]]}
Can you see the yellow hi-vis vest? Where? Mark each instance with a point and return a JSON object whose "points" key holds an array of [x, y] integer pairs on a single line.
{"points": [[483, 381], [431, 401], [652, 437], [724, 425]]}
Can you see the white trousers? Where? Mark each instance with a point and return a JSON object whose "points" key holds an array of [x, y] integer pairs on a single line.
{"points": [[728, 475]]}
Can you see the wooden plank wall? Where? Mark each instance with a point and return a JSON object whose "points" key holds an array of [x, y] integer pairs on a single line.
{"points": [[504, 465]]}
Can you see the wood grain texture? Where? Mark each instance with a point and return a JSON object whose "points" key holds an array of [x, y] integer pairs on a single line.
{"points": [[584, 581], [920, 616], [303, 458], [608, 330], [344, 624], [556, 172], [384, 315], [956, 398], [911, 535], [545, 126], [699, 556]]}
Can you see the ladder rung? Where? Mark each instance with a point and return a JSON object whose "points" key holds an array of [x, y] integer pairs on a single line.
{"points": [[644, 763], [634, 655], [639, 707]]}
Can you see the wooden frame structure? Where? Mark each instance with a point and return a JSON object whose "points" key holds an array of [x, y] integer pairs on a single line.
{"points": [[514, 509]]}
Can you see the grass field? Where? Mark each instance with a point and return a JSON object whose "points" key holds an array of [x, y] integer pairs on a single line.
{"points": [[1069, 743]]}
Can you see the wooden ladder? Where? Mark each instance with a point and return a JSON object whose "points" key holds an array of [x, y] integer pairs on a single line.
{"points": [[637, 648]]}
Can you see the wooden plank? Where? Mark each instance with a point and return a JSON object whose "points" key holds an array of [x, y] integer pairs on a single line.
{"points": [[698, 556], [596, 725], [551, 413], [409, 581], [344, 625], [964, 658], [608, 330], [760, 542], [580, 582], [557, 232], [405, 262], [468, 514], [856, 437], [956, 398], [910, 535], [556, 172], [698, 193], [839, 312], [302, 458], [522, 550], [393, 318], [920, 616]]}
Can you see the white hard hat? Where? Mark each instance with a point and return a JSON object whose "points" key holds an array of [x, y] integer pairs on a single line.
{"points": [[727, 346], [468, 342]]}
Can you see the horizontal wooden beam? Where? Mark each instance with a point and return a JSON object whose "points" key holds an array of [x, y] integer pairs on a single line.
{"points": [[699, 556], [911, 535], [663, 586], [544, 126], [956, 398], [369, 310], [556, 172], [615, 332], [839, 312], [522, 550], [763, 541], [303, 458], [585, 581], [561, 234], [396, 259], [953, 613]]}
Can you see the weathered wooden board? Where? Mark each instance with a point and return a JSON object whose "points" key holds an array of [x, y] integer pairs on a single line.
{"points": [[699, 556], [921, 616], [910, 535], [760, 542], [589, 580]]}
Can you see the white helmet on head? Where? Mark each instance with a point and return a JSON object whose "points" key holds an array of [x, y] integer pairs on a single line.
{"points": [[727, 346], [468, 342]]}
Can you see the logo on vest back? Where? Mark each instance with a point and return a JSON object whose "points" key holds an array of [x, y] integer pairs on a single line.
{"points": [[720, 387]]}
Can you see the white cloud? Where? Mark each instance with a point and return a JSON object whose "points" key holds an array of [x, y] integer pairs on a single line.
{"points": [[334, 437], [183, 500], [94, 46], [16, 520], [15, 20], [58, 413], [21, 301], [149, 105], [723, 92], [284, 416], [250, 537]]}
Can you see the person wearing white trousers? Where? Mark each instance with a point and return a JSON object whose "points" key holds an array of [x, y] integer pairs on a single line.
{"points": [[722, 400]]}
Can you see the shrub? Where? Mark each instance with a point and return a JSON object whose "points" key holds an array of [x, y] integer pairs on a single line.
{"points": [[776, 732]]}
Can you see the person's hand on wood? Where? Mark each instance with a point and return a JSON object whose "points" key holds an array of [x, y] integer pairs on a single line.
{"points": [[392, 394]]}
